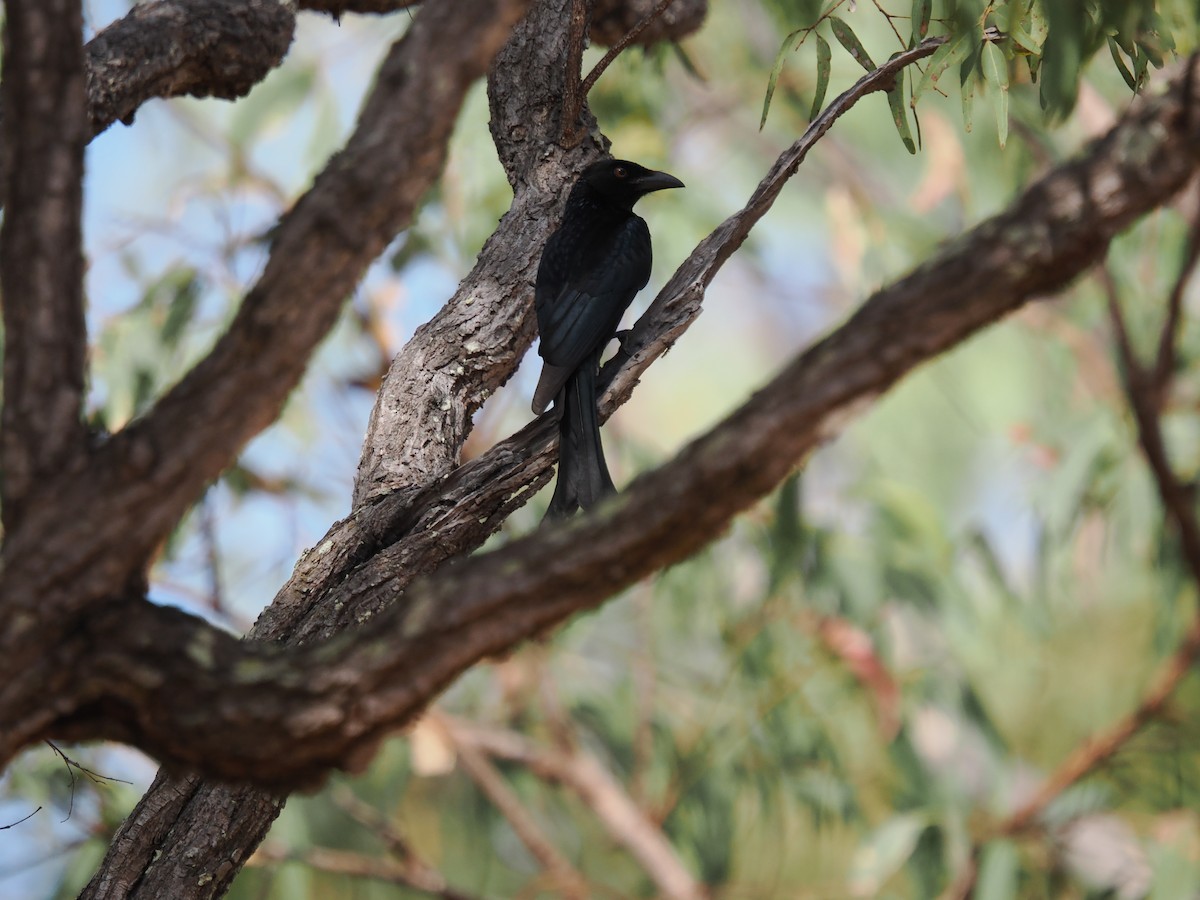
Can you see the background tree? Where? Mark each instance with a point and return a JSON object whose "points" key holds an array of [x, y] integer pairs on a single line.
{"points": [[885, 682]]}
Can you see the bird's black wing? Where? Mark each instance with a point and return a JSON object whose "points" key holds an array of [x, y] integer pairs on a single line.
{"points": [[583, 289]]}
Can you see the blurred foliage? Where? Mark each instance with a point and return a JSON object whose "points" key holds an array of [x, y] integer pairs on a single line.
{"points": [[1042, 42], [845, 694]]}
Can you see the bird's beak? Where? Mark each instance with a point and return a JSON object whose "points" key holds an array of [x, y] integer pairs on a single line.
{"points": [[657, 181]]}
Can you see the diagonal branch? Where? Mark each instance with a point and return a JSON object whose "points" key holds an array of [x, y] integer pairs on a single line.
{"points": [[566, 878], [289, 714], [420, 529], [41, 256], [1145, 392], [423, 413], [600, 791], [149, 474]]}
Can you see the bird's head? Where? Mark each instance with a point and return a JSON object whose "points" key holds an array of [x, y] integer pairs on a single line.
{"points": [[622, 182]]}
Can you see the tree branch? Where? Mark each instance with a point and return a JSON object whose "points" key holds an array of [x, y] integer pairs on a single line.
{"points": [[599, 790], [329, 702], [566, 878], [173, 48], [41, 255], [423, 413], [149, 474], [338, 8], [1145, 393], [353, 865]]}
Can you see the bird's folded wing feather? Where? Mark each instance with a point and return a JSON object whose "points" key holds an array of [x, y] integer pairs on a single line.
{"points": [[583, 313]]}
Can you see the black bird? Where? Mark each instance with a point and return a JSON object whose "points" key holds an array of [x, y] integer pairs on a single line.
{"points": [[591, 268]]}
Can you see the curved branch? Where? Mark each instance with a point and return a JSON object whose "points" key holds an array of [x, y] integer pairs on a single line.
{"points": [[41, 253], [173, 48], [149, 474], [329, 703], [599, 790]]}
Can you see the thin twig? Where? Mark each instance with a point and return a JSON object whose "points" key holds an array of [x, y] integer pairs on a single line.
{"points": [[1141, 390], [72, 765], [20, 820], [615, 50], [351, 864], [421, 874], [488, 779], [580, 771], [1164, 366]]}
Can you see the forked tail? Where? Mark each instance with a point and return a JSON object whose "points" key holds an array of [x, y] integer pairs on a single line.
{"points": [[583, 477]]}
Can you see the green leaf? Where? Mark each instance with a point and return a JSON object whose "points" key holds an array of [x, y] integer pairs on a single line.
{"points": [[949, 54], [1121, 67], [1063, 58], [1037, 24], [848, 39], [921, 11], [181, 309], [885, 852], [780, 57], [999, 872], [1141, 64], [995, 70], [824, 62], [968, 102], [1023, 37], [896, 104]]}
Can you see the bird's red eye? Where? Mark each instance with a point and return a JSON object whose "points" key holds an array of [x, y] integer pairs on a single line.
{"points": [[620, 172]]}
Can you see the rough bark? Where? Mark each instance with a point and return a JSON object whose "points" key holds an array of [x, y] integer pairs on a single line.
{"points": [[149, 474], [1058, 228], [172, 48], [202, 813], [41, 256], [453, 363], [288, 714]]}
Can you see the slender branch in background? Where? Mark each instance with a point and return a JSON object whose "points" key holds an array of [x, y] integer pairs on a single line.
{"points": [[580, 771], [1145, 395], [1164, 364], [72, 765], [567, 879], [212, 556], [645, 681], [615, 50], [352, 865], [18, 822], [421, 874]]}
